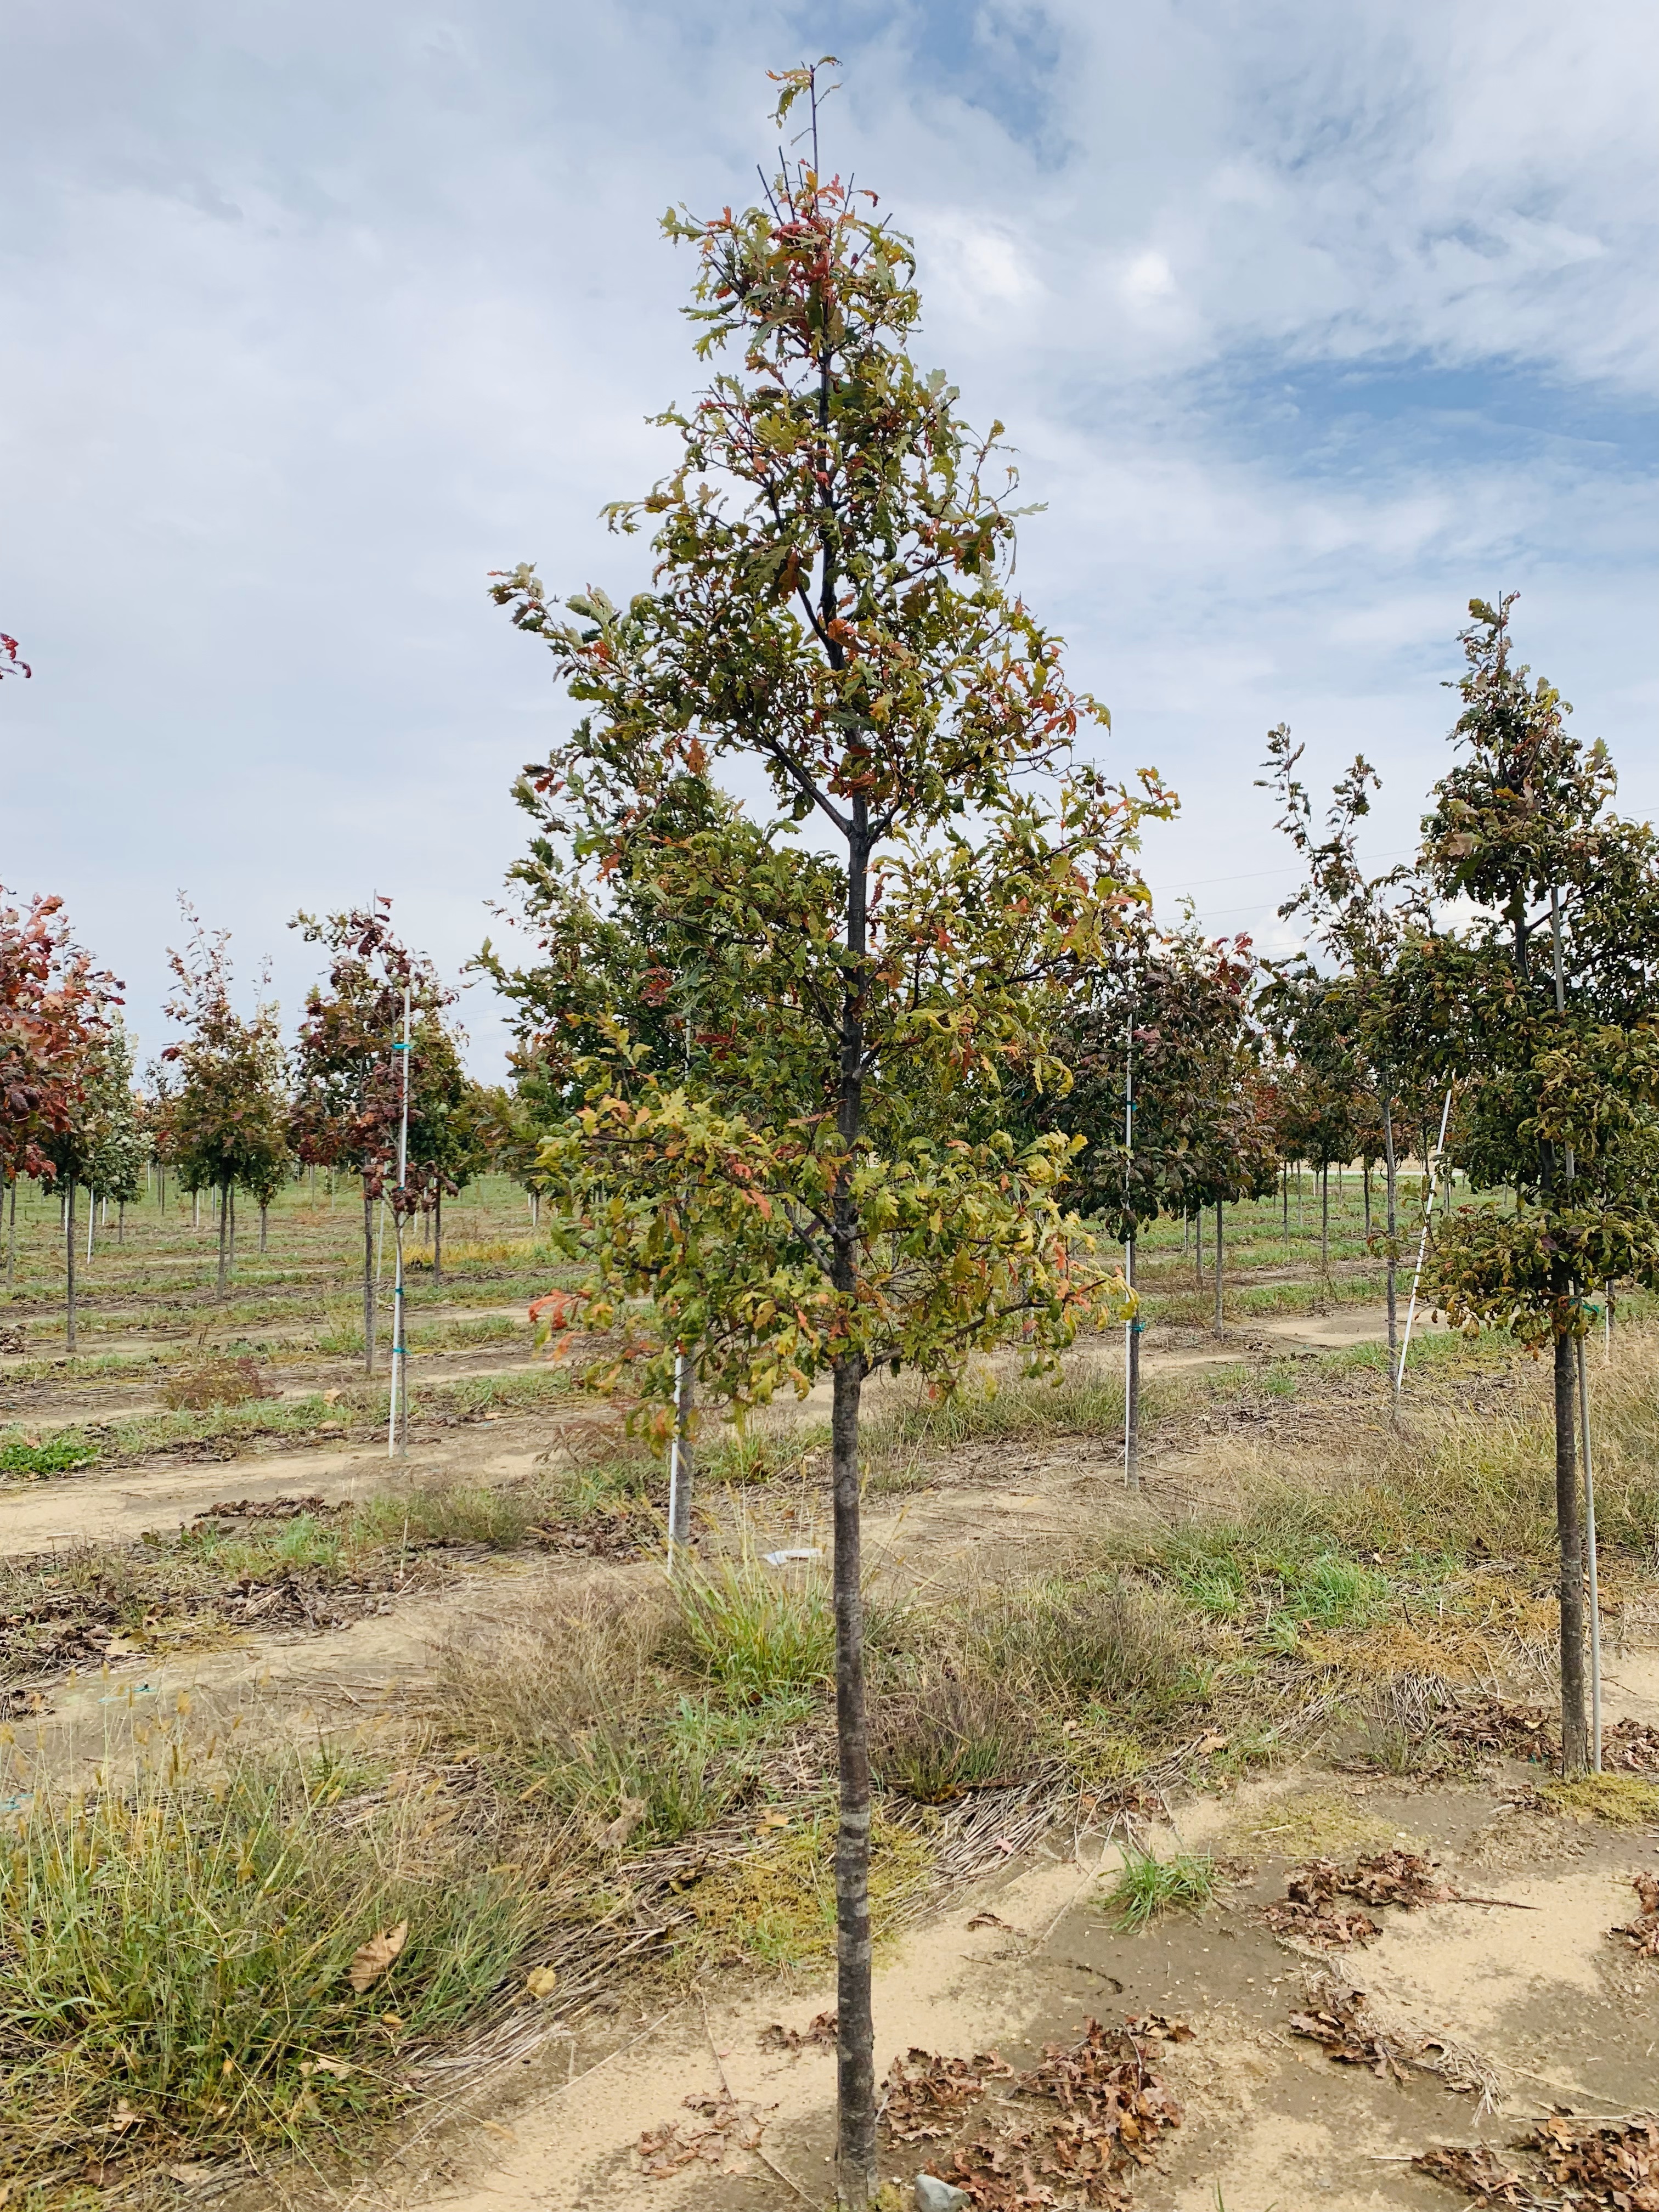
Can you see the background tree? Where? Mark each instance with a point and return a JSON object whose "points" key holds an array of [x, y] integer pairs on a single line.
{"points": [[53, 1008], [229, 1114], [117, 1142], [1360, 923], [1541, 1008], [12, 662], [1319, 1087], [347, 1097], [830, 606], [1170, 1014]]}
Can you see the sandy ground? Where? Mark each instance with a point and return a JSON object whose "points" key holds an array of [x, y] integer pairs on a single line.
{"points": [[1550, 2009]]}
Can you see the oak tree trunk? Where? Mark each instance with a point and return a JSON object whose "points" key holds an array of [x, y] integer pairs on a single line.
{"points": [[438, 1238], [368, 1283], [1221, 1325], [224, 1231], [1390, 1176], [680, 1519], [69, 1223], [1569, 1532], [1132, 1386]]}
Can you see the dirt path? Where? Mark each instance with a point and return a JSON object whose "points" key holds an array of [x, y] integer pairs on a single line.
{"points": [[1538, 2003]]}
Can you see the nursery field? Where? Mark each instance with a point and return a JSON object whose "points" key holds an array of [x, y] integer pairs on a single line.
{"points": [[397, 1832]]}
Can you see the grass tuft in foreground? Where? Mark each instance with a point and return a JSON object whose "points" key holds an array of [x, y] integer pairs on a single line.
{"points": [[177, 1962], [1146, 1887]]}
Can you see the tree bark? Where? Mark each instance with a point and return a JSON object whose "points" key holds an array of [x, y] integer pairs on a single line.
{"points": [[438, 1238], [855, 2040], [1390, 1175], [11, 1237], [230, 1207], [224, 1231], [1198, 1248], [1325, 1221], [264, 1217], [368, 1282], [1132, 1387], [68, 1222], [1221, 1325], [1570, 1531], [1368, 1201], [856, 2179], [121, 1222]]}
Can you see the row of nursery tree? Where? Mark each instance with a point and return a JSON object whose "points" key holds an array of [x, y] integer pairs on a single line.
{"points": [[897, 1068], [888, 1072], [228, 1108]]}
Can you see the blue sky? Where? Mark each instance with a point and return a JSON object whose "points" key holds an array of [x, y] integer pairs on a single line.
{"points": [[1307, 323]]}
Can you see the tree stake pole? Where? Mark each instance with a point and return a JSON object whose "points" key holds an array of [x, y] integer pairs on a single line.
{"points": [[1422, 1245]]}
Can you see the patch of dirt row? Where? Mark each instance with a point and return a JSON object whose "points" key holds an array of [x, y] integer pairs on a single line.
{"points": [[1230, 2065]]}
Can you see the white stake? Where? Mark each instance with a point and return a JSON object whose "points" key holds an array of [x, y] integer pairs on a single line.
{"points": [[674, 1463], [1422, 1243]]}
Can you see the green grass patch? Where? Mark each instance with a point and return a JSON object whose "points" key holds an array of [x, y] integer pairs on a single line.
{"points": [[1146, 1887], [182, 1953], [60, 1453]]}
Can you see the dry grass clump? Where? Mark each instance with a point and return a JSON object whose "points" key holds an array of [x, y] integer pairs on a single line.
{"points": [[1072, 1666], [776, 1905], [214, 1379], [177, 1958]]}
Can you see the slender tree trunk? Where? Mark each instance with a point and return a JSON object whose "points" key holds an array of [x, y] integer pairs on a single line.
{"points": [[1285, 1182], [1219, 1323], [195, 1209], [1391, 1167], [121, 1222], [11, 1237], [1198, 1248], [1368, 1201], [224, 1231], [1325, 1221], [69, 1225], [368, 1282], [1570, 1531], [856, 2044], [855, 2025], [1132, 1386], [438, 1238], [265, 1212]]}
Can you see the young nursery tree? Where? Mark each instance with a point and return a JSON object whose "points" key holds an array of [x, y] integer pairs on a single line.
{"points": [[117, 1142], [228, 1114], [831, 612], [348, 1083], [1156, 1041], [54, 1008], [1541, 1009], [1359, 921]]}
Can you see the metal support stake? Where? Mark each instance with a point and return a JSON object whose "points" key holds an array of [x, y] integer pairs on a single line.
{"points": [[1422, 1244]]}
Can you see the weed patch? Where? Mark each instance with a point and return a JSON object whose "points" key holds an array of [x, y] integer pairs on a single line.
{"points": [[1146, 1887]]}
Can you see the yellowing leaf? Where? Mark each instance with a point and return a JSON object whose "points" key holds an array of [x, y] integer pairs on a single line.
{"points": [[370, 1961], [542, 1981]]}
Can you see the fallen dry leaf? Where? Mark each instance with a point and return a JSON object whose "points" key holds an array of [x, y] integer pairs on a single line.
{"points": [[371, 1960], [1479, 2172], [924, 2096], [542, 1981], [1642, 1934], [822, 2030]]}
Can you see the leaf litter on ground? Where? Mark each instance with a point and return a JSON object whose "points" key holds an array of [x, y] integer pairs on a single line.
{"points": [[1642, 1934], [1612, 2164], [1309, 1909], [1113, 2111]]}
